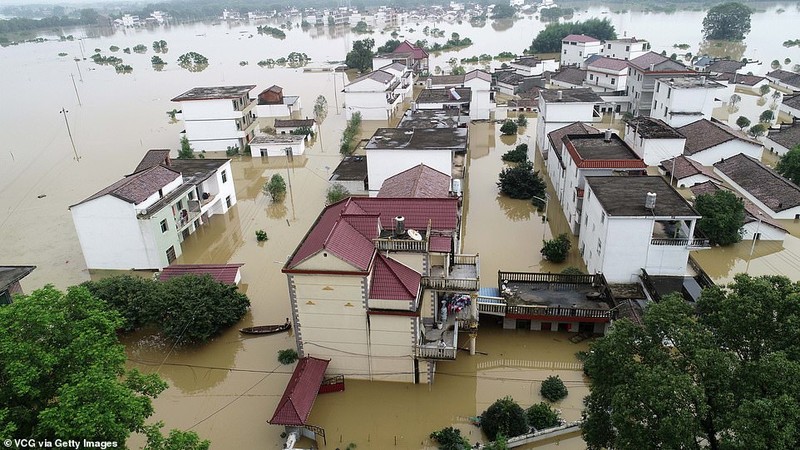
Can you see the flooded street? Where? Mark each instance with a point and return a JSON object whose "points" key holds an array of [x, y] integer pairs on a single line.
{"points": [[227, 389]]}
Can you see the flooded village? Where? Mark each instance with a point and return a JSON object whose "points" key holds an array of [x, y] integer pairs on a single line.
{"points": [[423, 294]]}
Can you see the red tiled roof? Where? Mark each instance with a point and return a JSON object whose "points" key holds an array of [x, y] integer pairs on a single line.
{"points": [[223, 273], [408, 47], [417, 182], [349, 244], [298, 398], [579, 38], [393, 281], [440, 244]]}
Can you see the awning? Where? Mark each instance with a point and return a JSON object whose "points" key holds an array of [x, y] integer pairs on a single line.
{"points": [[298, 398]]}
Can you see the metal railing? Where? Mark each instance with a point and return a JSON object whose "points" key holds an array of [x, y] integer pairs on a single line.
{"points": [[495, 308], [451, 284], [685, 242], [530, 277], [440, 350], [560, 311], [402, 245]]}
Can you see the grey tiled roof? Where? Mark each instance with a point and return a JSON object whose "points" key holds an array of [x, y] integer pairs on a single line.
{"points": [[704, 134], [763, 183]]}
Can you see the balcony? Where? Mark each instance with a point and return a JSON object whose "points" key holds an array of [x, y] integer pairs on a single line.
{"points": [[438, 343], [682, 242], [401, 245], [188, 215], [460, 274]]}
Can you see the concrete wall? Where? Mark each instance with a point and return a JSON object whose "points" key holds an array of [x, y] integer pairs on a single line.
{"points": [[624, 50], [575, 55], [279, 110], [382, 164], [480, 105], [766, 232], [371, 105], [726, 150], [209, 109], [668, 100], [392, 341], [553, 116], [653, 151], [775, 147], [606, 79], [277, 149]]}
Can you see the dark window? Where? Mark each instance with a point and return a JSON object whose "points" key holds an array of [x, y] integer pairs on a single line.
{"points": [[627, 48], [224, 176], [228, 201], [164, 226], [613, 81], [170, 255]]}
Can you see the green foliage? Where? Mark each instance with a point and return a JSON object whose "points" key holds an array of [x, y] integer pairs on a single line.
{"points": [[243, 63], [553, 388], [132, 297], [791, 43], [186, 151], [723, 216], [509, 127], [320, 109], [160, 46], [389, 46], [729, 376], [555, 13], [193, 61], [775, 64], [764, 89], [303, 131], [140, 48], [789, 165], [271, 31], [757, 130], [157, 61], [450, 439], [506, 55], [275, 188], [347, 146], [572, 270], [500, 443], [126, 50], [261, 236], [459, 70], [504, 417], [232, 151], [503, 11], [518, 155], [521, 182], [362, 28], [176, 440], [287, 356], [727, 22], [123, 68], [360, 57], [114, 48], [549, 39], [335, 193], [62, 54], [742, 122], [556, 250], [522, 121], [541, 416], [766, 116]]}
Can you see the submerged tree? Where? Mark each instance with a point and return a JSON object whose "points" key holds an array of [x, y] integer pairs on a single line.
{"points": [[742, 122], [789, 165], [727, 22], [186, 151], [504, 417], [521, 182], [320, 113], [360, 57], [723, 216], [275, 188]]}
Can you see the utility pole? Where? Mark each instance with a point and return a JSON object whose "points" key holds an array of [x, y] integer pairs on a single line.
{"points": [[335, 92], [79, 70], [76, 89], [69, 132], [289, 159]]}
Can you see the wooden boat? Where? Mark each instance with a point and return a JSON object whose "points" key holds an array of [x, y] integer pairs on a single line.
{"points": [[266, 329]]}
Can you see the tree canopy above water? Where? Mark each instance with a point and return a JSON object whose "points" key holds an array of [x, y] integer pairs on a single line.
{"points": [[728, 22], [549, 39]]}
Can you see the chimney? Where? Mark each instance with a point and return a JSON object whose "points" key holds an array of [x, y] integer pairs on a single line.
{"points": [[650, 201], [560, 95], [399, 226], [607, 136]]}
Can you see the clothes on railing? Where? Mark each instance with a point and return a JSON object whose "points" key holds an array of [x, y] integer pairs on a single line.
{"points": [[454, 303]]}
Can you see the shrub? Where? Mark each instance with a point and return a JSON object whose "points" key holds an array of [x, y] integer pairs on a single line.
{"points": [[131, 296], [186, 151], [764, 89], [336, 192], [553, 389], [275, 188], [504, 417], [518, 155], [556, 250], [450, 439], [766, 117], [232, 151], [522, 121], [303, 131], [521, 182], [349, 134], [742, 122], [509, 128], [261, 235], [287, 356], [757, 130], [541, 416]]}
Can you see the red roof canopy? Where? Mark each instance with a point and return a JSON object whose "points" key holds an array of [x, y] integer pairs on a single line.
{"points": [[223, 273], [298, 398], [393, 281]]}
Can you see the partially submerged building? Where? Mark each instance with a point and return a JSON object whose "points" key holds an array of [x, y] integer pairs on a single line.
{"points": [[709, 141], [775, 195], [219, 117], [653, 140], [10, 277]]}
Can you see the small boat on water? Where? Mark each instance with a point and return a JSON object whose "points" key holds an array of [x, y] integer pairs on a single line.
{"points": [[266, 329]]}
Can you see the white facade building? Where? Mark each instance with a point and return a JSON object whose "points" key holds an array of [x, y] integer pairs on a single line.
{"points": [[607, 74], [373, 95], [644, 70], [653, 140], [531, 66], [140, 221], [681, 101], [554, 159], [575, 48], [216, 118], [272, 103], [784, 138], [559, 108], [482, 100], [621, 233], [708, 142], [279, 145], [626, 48]]}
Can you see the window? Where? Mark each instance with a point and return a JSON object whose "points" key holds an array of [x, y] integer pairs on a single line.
{"points": [[591, 76], [164, 226], [627, 48], [669, 91], [655, 104], [609, 46], [170, 255], [599, 246], [160, 193], [180, 204], [565, 51], [224, 176], [603, 217], [580, 53], [613, 80], [228, 201], [658, 86]]}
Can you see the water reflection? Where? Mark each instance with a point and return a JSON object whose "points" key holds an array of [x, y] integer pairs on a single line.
{"points": [[723, 49], [515, 210]]}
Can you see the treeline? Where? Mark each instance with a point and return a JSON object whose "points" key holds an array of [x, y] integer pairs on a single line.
{"points": [[86, 17], [549, 39]]}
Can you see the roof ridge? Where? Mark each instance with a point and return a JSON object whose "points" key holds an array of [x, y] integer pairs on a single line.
{"points": [[388, 263]]}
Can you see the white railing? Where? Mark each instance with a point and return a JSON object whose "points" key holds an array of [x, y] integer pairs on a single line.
{"points": [[451, 284], [402, 245], [497, 308], [440, 350]]}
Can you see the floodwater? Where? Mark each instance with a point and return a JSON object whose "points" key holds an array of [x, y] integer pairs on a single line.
{"points": [[227, 389]]}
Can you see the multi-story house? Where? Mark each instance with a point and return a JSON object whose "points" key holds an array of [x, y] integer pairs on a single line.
{"points": [[532, 66], [625, 48], [575, 48], [559, 108], [376, 95], [273, 103], [479, 82], [634, 223], [554, 160], [141, 221], [642, 75], [709, 141], [378, 286], [606, 74], [653, 140], [783, 138], [681, 101], [216, 118]]}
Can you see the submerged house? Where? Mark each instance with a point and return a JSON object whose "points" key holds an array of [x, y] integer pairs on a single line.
{"points": [[273, 103], [9, 281], [390, 272], [141, 221]]}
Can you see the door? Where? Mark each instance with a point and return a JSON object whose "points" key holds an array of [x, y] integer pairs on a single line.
{"points": [[171, 255]]}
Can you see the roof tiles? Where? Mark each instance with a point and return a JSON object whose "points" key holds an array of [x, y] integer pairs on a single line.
{"points": [[393, 281], [416, 182], [298, 398]]}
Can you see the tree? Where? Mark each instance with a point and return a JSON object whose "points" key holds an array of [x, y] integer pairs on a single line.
{"points": [[522, 121], [63, 371], [727, 22], [288, 356], [553, 388], [360, 57], [195, 308], [521, 182], [389, 46], [686, 376], [757, 130], [541, 416], [176, 440], [518, 155], [549, 39], [509, 128], [789, 165], [450, 438], [775, 64], [337, 192], [503, 11], [723, 217], [132, 297], [742, 122], [504, 417], [320, 113], [349, 134], [767, 116], [764, 89], [275, 188], [186, 151], [556, 250]]}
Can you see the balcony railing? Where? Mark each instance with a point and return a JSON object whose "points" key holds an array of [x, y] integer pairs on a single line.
{"points": [[682, 242], [401, 245], [450, 284], [441, 349], [535, 310]]}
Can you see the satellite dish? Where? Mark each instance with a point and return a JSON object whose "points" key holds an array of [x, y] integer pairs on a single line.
{"points": [[414, 234]]}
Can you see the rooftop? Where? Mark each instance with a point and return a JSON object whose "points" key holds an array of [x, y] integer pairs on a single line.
{"points": [[527, 61], [724, 66], [379, 75], [408, 47], [430, 118], [137, 187], [153, 157], [509, 77], [444, 95], [753, 211], [447, 80], [660, 63], [596, 147], [221, 273], [625, 196], [738, 78], [392, 280], [683, 167], [579, 38], [578, 95], [417, 182], [214, 93], [788, 135], [570, 75], [295, 405], [351, 168], [650, 128], [195, 171], [556, 136], [790, 78], [454, 139], [693, 82], [294, 123], [704, 134], [608, 63], [477, 73], [763, 183], [277, 139], [11, 274], [793, 101]]}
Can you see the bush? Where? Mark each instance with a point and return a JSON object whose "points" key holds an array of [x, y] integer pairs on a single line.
{"points": [[131, 296], [521, 182], [504, 417], [766, 117], [349, 134], [764, 89], [232, 151], [303, 131], [518, 155], [742, 122], [553, 389], [757, 130], [261, 235], [522, 121], [556, 250], [509, 128], [336, 193], [541, 416], [275, 188], [186, 151], [287, 356], [572, 270], [450, 439]]}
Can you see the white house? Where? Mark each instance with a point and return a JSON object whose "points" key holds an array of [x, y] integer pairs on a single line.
{"points": [[634, 223], [216, 118], [532, 66], [393, 150], [784, 138], [406, 77], [140, 221], [590, 155], [607, 74], [683, 100], [777, 196], [373, 95], [708, 142], [686, 173], [266, 145], [567, 77], [625, 48], [482, 98], [575, 48], [352, 174], [286, 126], [559, 108], [644, 70], [554, 161], [459, 99], [653, 140], [272, 103], [791, 106], [785, 79]]}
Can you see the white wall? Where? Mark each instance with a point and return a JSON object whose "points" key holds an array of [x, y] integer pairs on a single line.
{"points": [[382, 164], [279, 110], [766, 231], [553, 116], [726, 150], [692, 180], [392, 342], [480, 105], [606, 79], [668, 100], [653, 151], [200, 130], [575, 55], [209, 109], [224, 189], [371, 105], [277, 149], [624, 50], [773, 146]]}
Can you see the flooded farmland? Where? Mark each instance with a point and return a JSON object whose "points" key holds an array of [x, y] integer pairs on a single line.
{"points": [[227, 389]]}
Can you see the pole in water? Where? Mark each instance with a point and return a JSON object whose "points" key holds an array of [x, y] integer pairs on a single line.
{"points": [[76, 88], [289, 158], [79, 70], [69, 132]]}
